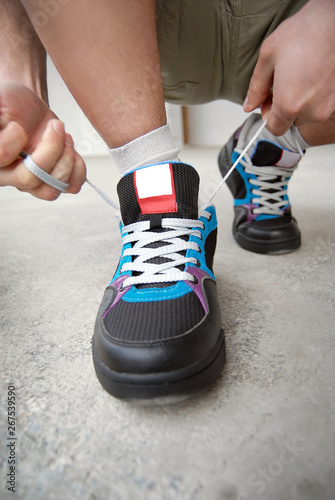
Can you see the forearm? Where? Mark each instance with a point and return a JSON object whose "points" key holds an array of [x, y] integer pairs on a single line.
{"points": [[22, 56]]}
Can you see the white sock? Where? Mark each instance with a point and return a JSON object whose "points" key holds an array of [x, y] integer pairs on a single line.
{"points": [[286, 141], [154, 147]]}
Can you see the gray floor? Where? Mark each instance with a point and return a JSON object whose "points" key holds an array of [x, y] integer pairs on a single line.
{"points": [[266, 430]]}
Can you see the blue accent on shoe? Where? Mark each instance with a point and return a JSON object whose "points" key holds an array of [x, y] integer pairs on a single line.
{"points": [[265, 217], [155, 294], [210, 225]]}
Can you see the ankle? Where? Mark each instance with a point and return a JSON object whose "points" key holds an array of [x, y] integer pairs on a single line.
{"points": [[154, 147], [293, 142]]}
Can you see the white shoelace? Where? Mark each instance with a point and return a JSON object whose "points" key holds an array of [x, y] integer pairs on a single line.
{"points": [[168, 245], [271, 182]]}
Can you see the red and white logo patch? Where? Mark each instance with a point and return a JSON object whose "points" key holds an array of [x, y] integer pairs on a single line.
{"points": [[288, 159], [154, 188]]}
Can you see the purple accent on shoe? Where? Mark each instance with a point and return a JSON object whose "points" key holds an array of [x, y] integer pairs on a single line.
{"points": [[197, 286], [249, 207], [119, 291], [237, 133]]}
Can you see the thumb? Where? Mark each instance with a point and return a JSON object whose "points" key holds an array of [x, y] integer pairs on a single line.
{"points": [[260, 84], [51, 146], [45, 155], [266, 107]]}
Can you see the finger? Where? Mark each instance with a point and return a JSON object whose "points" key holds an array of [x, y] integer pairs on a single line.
{"points": [[63, 168], [47, 153], [51, 147], [71, 167], [278, 121], [260, 83], [266, 107], [78, 175], [61, 171], [13, 138]]}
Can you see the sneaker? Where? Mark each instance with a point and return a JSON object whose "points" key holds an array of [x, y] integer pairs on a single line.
{"points": [[263, 221], [158, 330]]}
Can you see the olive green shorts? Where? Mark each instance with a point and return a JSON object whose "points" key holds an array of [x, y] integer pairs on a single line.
{"points": [[208, 48]]}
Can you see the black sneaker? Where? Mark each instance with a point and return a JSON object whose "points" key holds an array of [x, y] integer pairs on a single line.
{"points": [[263, 221], [158, 330]]}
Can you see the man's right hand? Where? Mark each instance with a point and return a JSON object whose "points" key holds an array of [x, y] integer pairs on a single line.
{"points": [[294, 78], [26, 123]]}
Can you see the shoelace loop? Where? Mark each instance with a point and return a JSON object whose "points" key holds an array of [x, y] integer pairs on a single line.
{"points": [[271, 182], [168, 246]]}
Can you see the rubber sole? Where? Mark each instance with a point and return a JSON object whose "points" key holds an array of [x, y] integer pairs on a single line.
{"points": [[273, 248], [166, 387]]}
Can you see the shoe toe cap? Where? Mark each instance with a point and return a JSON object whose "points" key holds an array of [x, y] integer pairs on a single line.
{"points": [[157, 336]]}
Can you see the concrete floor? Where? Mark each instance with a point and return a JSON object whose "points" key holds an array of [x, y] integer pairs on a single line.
{"points": [[266, 430]]}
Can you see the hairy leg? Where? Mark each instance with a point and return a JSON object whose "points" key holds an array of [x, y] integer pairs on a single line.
{"points": [[107, 54]]}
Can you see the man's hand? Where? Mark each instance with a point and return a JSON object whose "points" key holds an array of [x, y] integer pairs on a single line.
{"points": [[26, 123], [294, 78]]}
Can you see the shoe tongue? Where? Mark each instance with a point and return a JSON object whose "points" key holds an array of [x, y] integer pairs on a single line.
{"points": [[167, 189], [267, 154]]}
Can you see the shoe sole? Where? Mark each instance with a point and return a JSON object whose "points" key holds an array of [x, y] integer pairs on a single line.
{"points": [[251, 244], [272, 248], [166, 387]]}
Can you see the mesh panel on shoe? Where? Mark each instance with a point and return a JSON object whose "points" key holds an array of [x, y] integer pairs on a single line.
{"points": [[266, 154], [156, 320]]}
